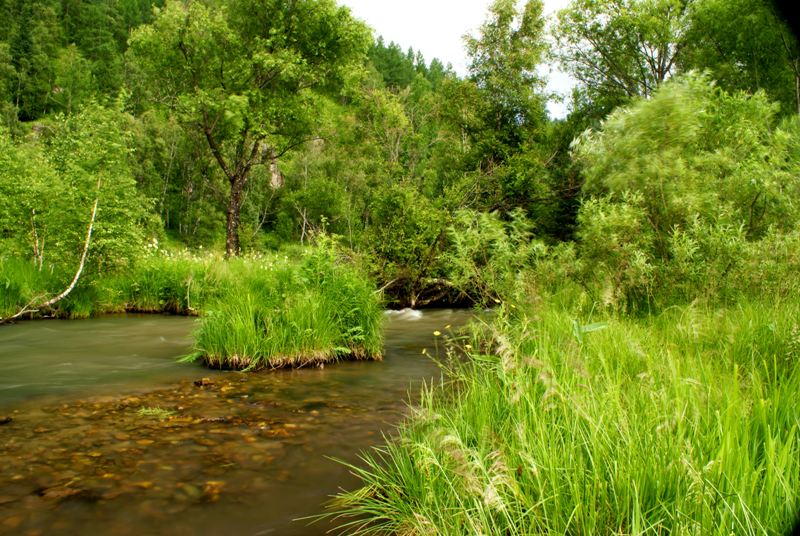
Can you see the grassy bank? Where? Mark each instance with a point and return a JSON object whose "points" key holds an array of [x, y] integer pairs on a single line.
{"points": [[177, 284], [681, 423], [256, 312]]}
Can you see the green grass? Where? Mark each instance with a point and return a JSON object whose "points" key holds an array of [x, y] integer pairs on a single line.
{"points": [[21, 283], [178, 284], [681, 423], [306, 312], [256, 312]]}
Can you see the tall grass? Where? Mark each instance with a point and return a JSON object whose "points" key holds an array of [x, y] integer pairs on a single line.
{"points": [[21, 283], [178, 284], [257, 312], [308, 312], [683, 423]]}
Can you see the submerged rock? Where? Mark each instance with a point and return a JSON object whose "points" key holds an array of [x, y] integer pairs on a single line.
{"points": [[5, 420], [204, 382]]}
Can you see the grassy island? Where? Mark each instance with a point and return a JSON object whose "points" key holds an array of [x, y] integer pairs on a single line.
{"points": [[259, 311], [292, 314]]}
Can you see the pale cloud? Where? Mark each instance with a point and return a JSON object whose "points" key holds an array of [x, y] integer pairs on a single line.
{"points": [[437, 27]]}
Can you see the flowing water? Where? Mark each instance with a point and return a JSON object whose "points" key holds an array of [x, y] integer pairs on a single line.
{"points": [[110, 435]]}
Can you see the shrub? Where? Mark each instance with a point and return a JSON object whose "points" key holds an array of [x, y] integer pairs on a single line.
{"points": [[681, 185]]}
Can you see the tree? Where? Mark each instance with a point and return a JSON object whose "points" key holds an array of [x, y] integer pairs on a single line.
{"points": [[73, 82], [696, 150], [681, 183], [745, 45], [34, 44], [396, 68], [73, 168], [246, 75], [503, 61], [7, 77], [619, 49]]}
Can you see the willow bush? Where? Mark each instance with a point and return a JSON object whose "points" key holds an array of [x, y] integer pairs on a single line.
{"points": [[681, 189]]}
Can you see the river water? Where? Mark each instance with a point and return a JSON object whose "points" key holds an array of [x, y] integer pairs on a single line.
{"points": [[110, 435]]}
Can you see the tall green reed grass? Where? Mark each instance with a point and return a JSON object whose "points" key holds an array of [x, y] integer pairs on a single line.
{"points": [[683, 423], [261, 311], [311, 311]]}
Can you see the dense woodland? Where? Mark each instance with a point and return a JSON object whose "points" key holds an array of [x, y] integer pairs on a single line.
{"points": [[251, 125], [641, 253]]}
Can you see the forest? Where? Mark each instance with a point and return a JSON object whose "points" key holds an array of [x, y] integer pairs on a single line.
{"points": [[279, 171]]}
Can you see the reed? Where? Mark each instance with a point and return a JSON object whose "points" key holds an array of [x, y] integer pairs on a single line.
{"points": [[681, 423], [307, 312]]}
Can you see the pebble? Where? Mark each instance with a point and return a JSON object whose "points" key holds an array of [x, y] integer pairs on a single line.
{"points": [[12, 522]]}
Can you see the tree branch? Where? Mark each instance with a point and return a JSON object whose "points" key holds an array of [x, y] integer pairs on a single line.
{"points": [[215, 148]]}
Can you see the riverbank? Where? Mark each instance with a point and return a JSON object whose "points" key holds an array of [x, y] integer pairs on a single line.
{"points": [[686, 421], [263, 311]]}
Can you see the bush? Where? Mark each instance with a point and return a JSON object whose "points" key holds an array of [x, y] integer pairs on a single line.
{"points": [[487, 257], [680, 186]]}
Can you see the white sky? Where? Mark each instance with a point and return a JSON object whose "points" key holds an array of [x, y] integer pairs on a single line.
{"points": [[436, 28]]}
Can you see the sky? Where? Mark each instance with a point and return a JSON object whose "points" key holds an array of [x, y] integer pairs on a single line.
{"points": [[436, 28]]}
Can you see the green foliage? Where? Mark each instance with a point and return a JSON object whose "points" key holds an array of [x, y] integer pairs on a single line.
{"points": [[686, 183], [57, 54], [504, 58], [620, 49], [73, 80], [34, 37], [162, 282], [398, 69], [177, 174], [90, 154], [279, 314], [257, 312], [487, 258], [261, 123], [49, 186], [616, 245], [681, 423], [246, 76], [406, 236], [746, 46]]}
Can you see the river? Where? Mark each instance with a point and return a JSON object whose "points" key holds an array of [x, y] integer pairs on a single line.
{"points": [[110, 435]]}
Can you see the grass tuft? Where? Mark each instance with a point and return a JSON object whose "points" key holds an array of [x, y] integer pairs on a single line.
{"points": [[298, 314]]}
